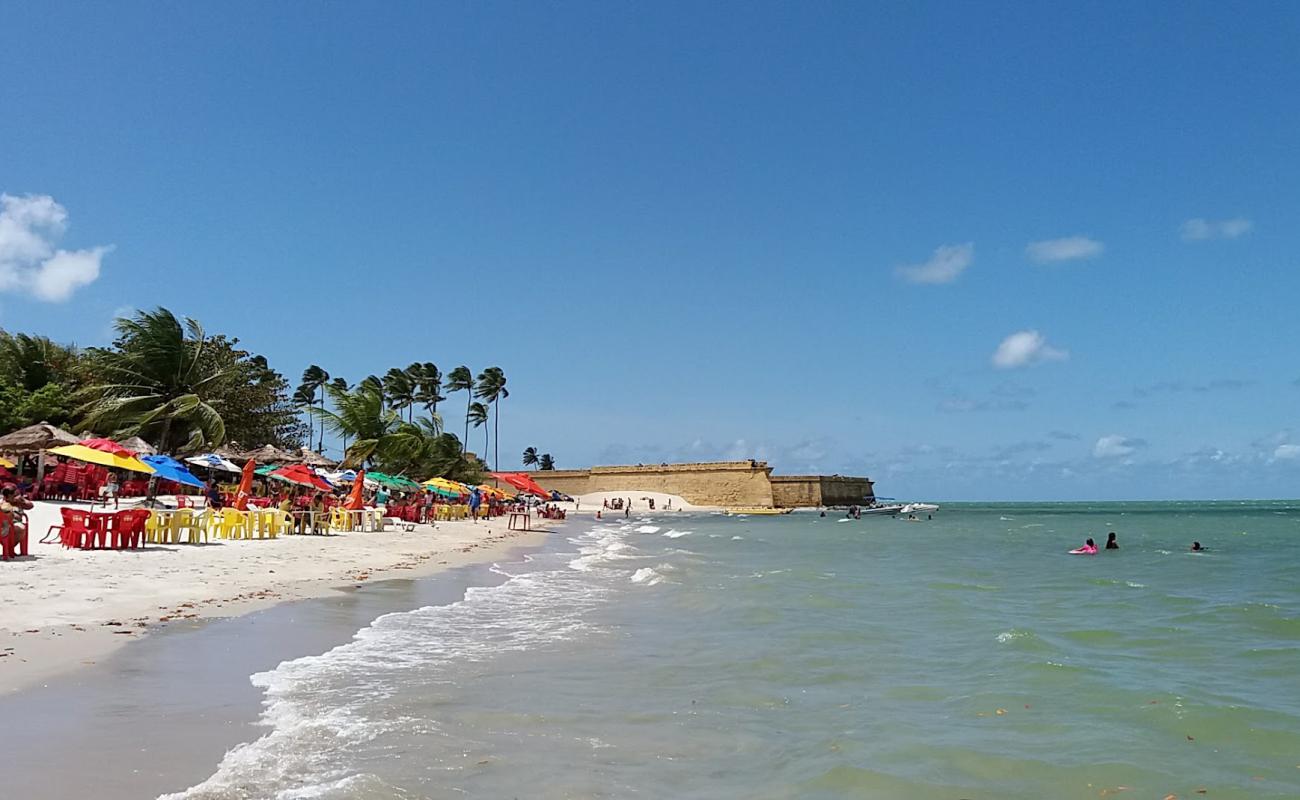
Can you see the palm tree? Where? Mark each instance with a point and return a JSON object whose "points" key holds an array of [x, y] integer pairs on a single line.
{"points": [[461, 379], [427, 379], [339, 385], [546, 462], [154, 383], [530, 457], [478, 416], [35, 361], [380, 433], [313, 380], [399, 388], [492, 388]]}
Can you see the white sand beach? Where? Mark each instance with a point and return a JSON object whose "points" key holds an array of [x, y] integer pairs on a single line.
{"points": [[61, 609]]}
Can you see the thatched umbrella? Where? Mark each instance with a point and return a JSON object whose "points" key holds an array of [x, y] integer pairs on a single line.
{"points": [[313, 459], [140, 446], [36, 439], [270, 454]]}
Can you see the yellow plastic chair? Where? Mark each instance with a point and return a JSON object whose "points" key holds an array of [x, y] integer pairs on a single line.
{"points": [[233, 524], [340, 519], [156, 528], [183, 520], [278, 522]]}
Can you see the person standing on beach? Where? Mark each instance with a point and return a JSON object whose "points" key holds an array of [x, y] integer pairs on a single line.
{"points": [[474, 502]]}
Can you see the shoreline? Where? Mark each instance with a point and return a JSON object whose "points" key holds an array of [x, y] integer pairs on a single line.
{"points": [[65, 610], [159, 716]]}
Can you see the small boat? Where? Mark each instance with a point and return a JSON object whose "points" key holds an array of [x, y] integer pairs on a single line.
{"points": [[892, 509], [919, 508], [756, 512]]}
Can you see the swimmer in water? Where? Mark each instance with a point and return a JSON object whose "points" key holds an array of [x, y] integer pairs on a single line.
{"points": [[1111, 544], [1196, 547], [1089, 549]]}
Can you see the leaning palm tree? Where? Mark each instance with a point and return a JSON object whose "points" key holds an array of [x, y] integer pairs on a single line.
{"points": [[399, 388], [313, 380], [546, 462], [155, 383], [492, 388], [461, 379], [427, 379], [378, 433], [35, 361], [478, 416], [530, 457]]}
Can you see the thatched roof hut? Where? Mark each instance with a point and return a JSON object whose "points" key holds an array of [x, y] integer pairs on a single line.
{"points": [[140, 446], [313, 459], [269, 454], [35, 438]]}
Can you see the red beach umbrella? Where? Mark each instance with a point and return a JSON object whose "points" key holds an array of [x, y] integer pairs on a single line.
{"points": [[245, 490], [108, 446], [302, 475], [522, 482], [355, 502]]}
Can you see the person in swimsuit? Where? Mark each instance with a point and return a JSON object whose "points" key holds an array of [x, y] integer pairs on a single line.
{"points": [[1111, 544], [1089, 549], [1196, 547]]}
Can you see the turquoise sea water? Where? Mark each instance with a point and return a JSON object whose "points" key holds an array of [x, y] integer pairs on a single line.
{"points": [[804, 657]]}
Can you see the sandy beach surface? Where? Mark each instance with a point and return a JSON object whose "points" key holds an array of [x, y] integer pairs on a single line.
{"points": [[63, 609]]}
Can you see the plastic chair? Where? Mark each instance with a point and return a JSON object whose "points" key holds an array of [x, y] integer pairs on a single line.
{"points": [[185, 521], [129, 527], [98, 533], [233, 524], [340, 519], [13, 535]]}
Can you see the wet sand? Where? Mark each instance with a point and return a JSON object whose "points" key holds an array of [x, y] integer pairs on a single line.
{"points": [[158, 715]]}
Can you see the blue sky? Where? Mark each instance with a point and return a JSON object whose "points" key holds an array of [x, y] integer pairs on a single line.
{"points": [[975, 252]]}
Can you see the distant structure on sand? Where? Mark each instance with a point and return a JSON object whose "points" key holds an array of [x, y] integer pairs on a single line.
{"points": [[715, 483]]}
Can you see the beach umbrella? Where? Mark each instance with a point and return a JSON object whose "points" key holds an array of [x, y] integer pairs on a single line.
{"points": [[213, 461], [355, 502], [267, 470], [6, 463], [523, 483], [169, 469], [245, 489], [104, 452], [492, 491], [302, 475], [447, 485]]}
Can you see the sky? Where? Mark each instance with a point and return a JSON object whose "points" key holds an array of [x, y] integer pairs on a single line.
{"points": [[974, 251]]}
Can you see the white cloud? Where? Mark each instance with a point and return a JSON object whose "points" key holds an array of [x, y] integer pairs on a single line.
{"points": [[1071, 248], [1287, 452], [948, 262], [1116, 446], [1024, 348], [1199, 230], [30, 228]]}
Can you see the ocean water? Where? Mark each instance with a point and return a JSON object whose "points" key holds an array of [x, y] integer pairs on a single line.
{"points": [[706, 656]]}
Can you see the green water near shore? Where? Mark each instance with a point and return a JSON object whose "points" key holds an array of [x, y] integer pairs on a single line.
{"points": [[781, 657]]}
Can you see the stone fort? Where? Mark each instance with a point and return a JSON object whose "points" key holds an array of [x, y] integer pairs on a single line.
{"points": [[715, 483]]}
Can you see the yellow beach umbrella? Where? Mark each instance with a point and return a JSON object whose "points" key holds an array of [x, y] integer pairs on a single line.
{"points": [[447, 485], [6, 463], [102, 458], [493, 491]]}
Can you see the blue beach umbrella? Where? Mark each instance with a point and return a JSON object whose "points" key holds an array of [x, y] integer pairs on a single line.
{"points": [[169, 469]]}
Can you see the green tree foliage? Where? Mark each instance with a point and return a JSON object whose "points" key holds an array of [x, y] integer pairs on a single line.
{"points": [[157, 381], [477, 416], [546, 462], [530, 457], [37, 380]]}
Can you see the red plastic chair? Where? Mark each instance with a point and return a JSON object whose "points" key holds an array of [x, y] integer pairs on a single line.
{"points": [[128, 528], [98, 533], [12, 540], [72, 530]]}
